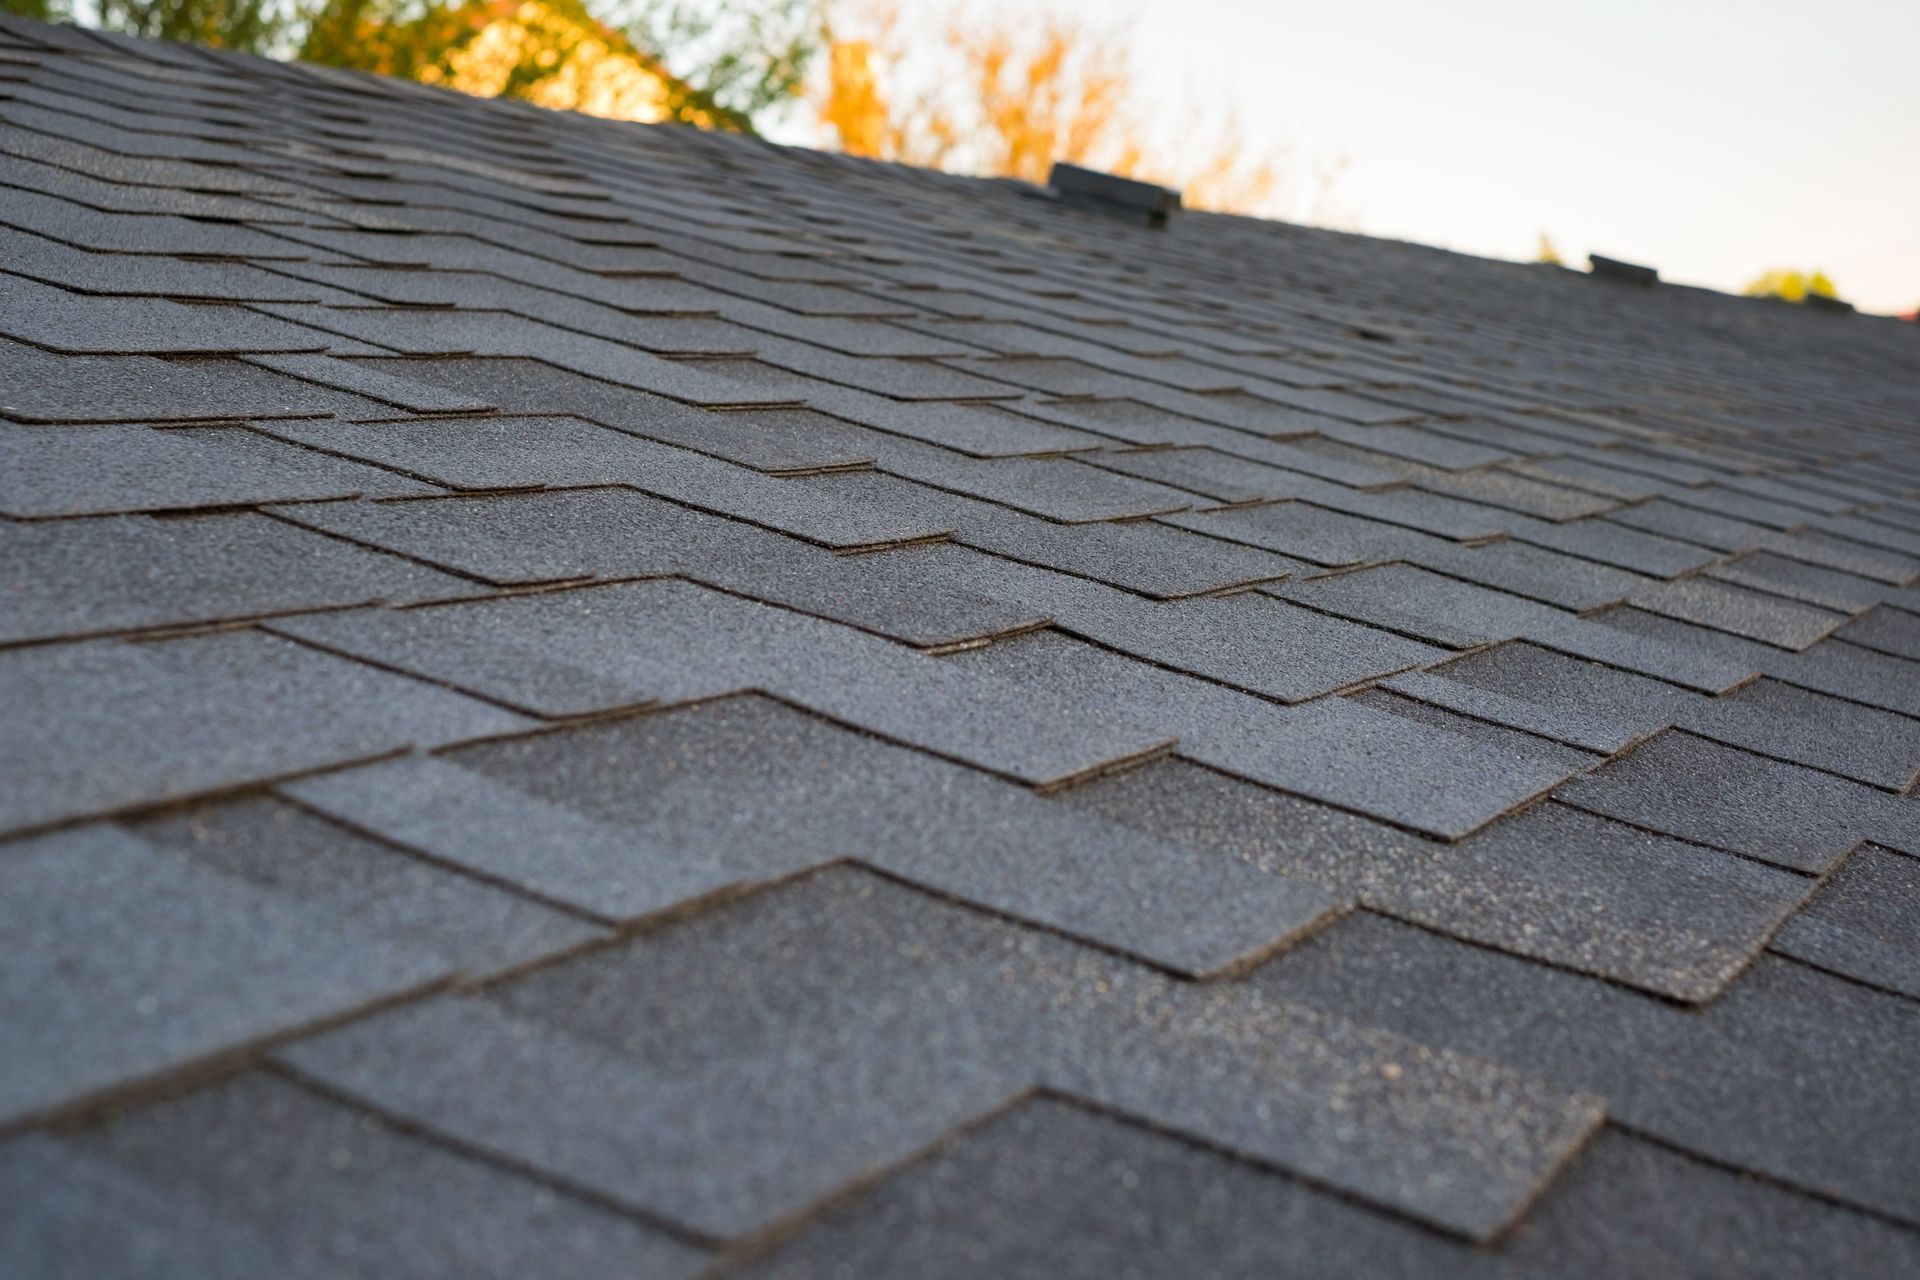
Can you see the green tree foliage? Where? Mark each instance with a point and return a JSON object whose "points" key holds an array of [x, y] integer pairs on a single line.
{"points": [[749, 57], [716, 63]]}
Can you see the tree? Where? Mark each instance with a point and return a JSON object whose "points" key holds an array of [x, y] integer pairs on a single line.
{"points": [[1548, 254], [249, 26], [1794, 286], [726, 62], [992, 94]]}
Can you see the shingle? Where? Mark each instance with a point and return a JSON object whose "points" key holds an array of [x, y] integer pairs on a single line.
{"points": [[1859, 675], [259, 1176], [1419, 446], [1828, 588], [920, 594], [575, 652], [1775, 719], [1145, 556], [1205, 472], [1863, 922], [78, 728], [1569, 699], [1885, 630], [519, 453], [1601, 539], [125, 573], [39, 386], [618, 821], [1791, 1073], [1413, 601], [382, 382], [1306, 533], [77, 224], [1060, 489], [1724, 607], [1817, 548], [134, 275], [131, 962], [1550, 883], [1873, 533], [83, 324], [1052, 1189], [433, 331], [68, 471], [1648, 645], [1533, 572], [769, 439], [301, 858], [1500, 487], [874, 1002], [1248, 640], [1700, 790]]}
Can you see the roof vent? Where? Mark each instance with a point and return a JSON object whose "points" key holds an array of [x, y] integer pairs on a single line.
{"points": [[1624, 272], [1821, 302], [1123, 197]]}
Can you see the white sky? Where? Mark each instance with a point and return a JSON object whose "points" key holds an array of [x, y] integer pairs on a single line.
{"points": [[1711, 138]]}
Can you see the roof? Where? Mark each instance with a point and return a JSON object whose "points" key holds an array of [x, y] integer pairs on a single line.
{"points": [[587, 699]]}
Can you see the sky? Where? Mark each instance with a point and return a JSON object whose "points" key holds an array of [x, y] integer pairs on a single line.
{"points": [[1713, 139]]}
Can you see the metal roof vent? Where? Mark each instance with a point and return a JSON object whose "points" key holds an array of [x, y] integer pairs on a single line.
{"points": [[1624, 272], [1104, 193]]}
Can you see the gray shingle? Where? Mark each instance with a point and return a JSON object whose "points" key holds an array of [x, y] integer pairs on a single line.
{"points": [[1796, 580], [1055, 1190], [132, 962], [518, 453], [1306, 533], [1885, 630], [304, 859], [920, 594], [1725, 607], [126, 573], [575, 652], [1568, 699], [1415, 602], [68, 471], [1791, 1073], [618, 821], [39, 386], [1789, 723], [1680, 920], [81, 723], [875, 1002], [259, 1176], [1860, 675], [83, 324], [1699, 790], [1863, 923]]}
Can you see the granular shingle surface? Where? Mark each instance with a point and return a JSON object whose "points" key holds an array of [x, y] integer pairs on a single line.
{"points": [[580, 698]]}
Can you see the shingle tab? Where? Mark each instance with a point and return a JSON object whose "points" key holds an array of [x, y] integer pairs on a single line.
{"points": [[79, 724], [1533, 885], [260, 1176], [174, 963], [848, 970], [1791, 1073], [1864, 923], [128, 573], [634, 840]]}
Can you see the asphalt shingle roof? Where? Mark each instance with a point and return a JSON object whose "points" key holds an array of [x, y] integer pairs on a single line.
{"points": [[587, 699]]}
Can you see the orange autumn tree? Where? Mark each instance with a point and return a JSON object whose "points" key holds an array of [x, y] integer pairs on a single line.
{"points": [[991, 94]]}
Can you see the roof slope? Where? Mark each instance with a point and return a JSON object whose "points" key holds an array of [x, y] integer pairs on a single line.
{"points": [[583, 698]]}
